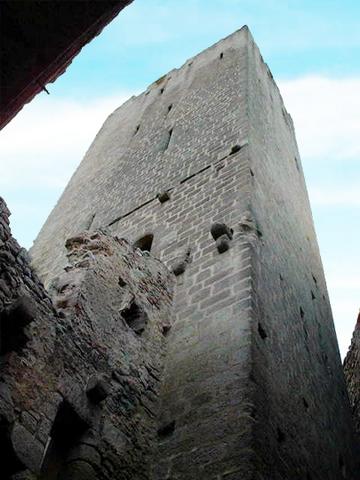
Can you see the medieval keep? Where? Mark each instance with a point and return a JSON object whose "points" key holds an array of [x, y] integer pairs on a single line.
{"points": [[186, 331]]}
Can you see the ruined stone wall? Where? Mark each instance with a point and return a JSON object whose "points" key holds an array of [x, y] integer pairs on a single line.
{"points": [[80, 383], [26, 315], [352, 375], [183, 169]]}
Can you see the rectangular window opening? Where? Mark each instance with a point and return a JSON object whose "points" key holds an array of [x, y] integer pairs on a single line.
{"points": [[168, 139]]}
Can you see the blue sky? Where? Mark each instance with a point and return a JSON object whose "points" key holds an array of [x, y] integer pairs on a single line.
{"points": [[313, 50]]}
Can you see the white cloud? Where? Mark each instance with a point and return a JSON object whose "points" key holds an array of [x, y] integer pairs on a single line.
{"points": [[46, 141], [326, 116], [332, 195], [345, 315], [343, 284]]}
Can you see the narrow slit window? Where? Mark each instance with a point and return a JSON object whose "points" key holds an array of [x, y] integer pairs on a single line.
{"points": [[164, 140], [167, 139], [167, 429]]}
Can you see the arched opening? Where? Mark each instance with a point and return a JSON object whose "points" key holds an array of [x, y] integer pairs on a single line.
{"points": [[10, 464], [66, 433], [145, 242]]}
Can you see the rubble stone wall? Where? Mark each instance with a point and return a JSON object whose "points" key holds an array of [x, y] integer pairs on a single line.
{"points": [[80, 380], [352, 374]]}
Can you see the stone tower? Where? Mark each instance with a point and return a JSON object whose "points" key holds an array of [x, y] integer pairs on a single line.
{"points": [[203, 171]]}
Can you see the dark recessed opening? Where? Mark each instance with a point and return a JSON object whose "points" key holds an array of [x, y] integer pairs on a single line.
{"points": [[314, 278], [253, 412], [281, 277], [312, 295], [163, 196], [13, 322], [235, 149], [280, 435], [302, 313], [162, 90], [251, 173], [122, 282], [165, 329], [169, 108], [218, 229], [297, 164], [179, 268], [261, 331], [306, 405], [342, 466], [144, 243], [221, 55], [136, 129], [10, 464], [167, 429], [135, 318], [97, 389], [66, 432], [167, 139]]}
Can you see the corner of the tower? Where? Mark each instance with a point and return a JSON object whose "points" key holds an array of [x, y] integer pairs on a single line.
{"points": [[290, 298]]}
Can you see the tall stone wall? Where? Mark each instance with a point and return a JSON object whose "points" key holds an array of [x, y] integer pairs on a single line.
{"points": [[300, 387], [80, 380], [203, 169], [352, 375]]}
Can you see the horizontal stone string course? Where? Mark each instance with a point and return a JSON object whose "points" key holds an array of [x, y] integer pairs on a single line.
{"points": [[168, 190]]}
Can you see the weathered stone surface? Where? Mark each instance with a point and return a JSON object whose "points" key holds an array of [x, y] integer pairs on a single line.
{"points": [[352, 374], [243, 402], [27, 449], [83, 391]]}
